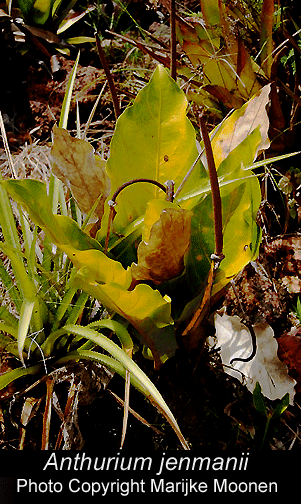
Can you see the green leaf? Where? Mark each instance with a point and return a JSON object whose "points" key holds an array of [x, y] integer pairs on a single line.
{"points": [[26, 7], [68, 95], [7, 317], [11, 376], [60, 11], [26, 283], [282, 406], [242, 135], [241, 235], [36, 12], [7, 220], [298, 309], [24, 324], [30, 311], [141, 383], [119, 329], [71, 20], [258, 400], [110, 362], [41, 11], [80, 40], [235, 143], [99, 276], [6, 342], [125, 249], [211, 12], [144, 307], [153, 139], [73, 234], [12, 290], [32, 195]]}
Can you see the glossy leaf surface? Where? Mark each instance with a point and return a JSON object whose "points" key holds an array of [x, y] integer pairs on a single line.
{"points": [[145, 308], [98, 275], [153, 139], [235, 146]]}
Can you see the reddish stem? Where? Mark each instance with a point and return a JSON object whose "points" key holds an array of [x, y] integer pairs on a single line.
{"points": [[173, 41], [216, 197], [168, 189], [109, 76]]}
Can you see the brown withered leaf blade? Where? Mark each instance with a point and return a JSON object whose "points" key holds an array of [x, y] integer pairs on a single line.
{"points": [[162, 257], [75, 164]]}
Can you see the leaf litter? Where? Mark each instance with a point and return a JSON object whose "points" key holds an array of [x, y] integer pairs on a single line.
{"points": [[235, 341]]}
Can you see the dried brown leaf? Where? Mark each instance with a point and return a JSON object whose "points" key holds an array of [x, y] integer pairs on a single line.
{"points": [[283, 258], [74, 163], [29, 409], [162, 257], [47, 414], [289, 351]]}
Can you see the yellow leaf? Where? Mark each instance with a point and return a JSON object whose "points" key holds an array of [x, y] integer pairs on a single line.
{"points": [[221, 56], [162, 257], [145, 308], [241, 124], [74, 162], [98, 266], [153, 139], [153, 211]]}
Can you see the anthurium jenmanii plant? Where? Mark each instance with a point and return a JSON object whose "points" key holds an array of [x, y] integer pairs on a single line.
{"points": [[145, 245]]}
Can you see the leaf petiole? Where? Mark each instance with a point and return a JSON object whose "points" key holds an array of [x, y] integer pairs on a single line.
{"points": [[168, 188]]}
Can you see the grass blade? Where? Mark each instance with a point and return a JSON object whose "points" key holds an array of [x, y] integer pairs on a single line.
{"points": [[125, 406], [23, 326], [7, 221], [142, 379], [68, 95], [11, 376]]}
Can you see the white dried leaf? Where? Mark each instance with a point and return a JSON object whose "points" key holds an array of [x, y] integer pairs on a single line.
{"points": [[235, 340]]}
